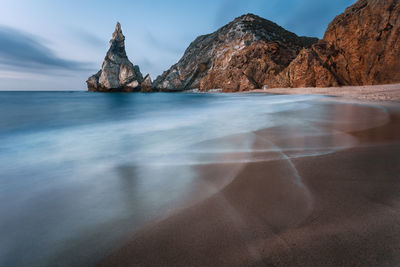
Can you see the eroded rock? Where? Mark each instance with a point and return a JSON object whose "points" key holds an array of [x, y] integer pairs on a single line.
{"points": [[117, 72], [147, 84], [239, 56], [360, 47]]}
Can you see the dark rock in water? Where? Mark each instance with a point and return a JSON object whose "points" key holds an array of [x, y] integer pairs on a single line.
{"points": [[241, 55], [147, 84], [117, 73]]}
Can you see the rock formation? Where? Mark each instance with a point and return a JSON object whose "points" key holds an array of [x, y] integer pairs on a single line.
{"points": [[311, 68], [241, 55], [367, 35], [147, 84], [117, 72], [360, 47]]}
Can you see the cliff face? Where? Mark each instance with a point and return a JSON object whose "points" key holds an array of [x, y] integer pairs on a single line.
{"points": [[313, 67], [241, 55], [117, 72], [360, 47], [367, 38]]}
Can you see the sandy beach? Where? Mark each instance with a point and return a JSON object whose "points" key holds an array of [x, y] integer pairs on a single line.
{"points": [[388, 92], [227, 134], [336, 205]]}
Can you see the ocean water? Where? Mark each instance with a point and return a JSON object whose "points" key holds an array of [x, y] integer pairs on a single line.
{"points": [[81, 172]]}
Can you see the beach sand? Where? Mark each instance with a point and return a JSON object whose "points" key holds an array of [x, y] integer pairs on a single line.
{"points": [[338, 208], [389, 92]]}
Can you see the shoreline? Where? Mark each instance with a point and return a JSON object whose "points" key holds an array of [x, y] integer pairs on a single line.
{"points": [[331, 209], [387, 93], [373, 93]]}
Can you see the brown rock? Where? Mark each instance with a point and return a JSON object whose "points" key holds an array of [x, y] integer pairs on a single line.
{"points": [[249, 68], [360, 47], [239, 56], [311, 68], [367, 38], [146, 85]]}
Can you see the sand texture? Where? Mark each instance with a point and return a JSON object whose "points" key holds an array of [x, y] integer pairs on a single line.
{"points": [[337, 206], [390, 92]]}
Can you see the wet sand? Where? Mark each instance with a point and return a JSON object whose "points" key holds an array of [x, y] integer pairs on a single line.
{"points": [[388, 92], [289, 207]]}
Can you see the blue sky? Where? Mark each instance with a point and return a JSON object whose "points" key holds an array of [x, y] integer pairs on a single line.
{"points": [[56, 45]]}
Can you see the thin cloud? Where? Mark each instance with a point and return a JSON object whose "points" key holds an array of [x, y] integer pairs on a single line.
{"points": [[24, 51], [89, 38]]}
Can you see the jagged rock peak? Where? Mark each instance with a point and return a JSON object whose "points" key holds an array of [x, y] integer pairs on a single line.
{"points": [[118, 35], [117, 43], [117, 72]]}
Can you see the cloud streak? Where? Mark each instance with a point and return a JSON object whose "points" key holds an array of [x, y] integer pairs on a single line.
{"points": [[89, 38], [20, 50]]}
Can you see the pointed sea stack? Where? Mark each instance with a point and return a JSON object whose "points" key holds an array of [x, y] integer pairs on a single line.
{"points": [[117, 74]]}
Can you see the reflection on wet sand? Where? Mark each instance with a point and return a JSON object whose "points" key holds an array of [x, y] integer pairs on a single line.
{"points": [[318, 190]]}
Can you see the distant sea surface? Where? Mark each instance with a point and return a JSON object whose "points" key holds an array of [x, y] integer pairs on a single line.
{"points": [[81, 172]]}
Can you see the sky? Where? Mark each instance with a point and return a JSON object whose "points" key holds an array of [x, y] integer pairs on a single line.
{"points": [[58, 44]]}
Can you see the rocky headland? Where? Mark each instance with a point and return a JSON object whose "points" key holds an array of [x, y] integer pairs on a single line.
{"points": [[360, 47], [240, 56]]}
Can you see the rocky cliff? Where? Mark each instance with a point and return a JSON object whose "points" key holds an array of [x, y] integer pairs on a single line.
{"points": [[360, 47], [242, 55], [367, 36], [117, 72]]}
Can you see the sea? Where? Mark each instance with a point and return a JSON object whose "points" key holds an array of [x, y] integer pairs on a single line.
{"points": [[81, 172]]}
